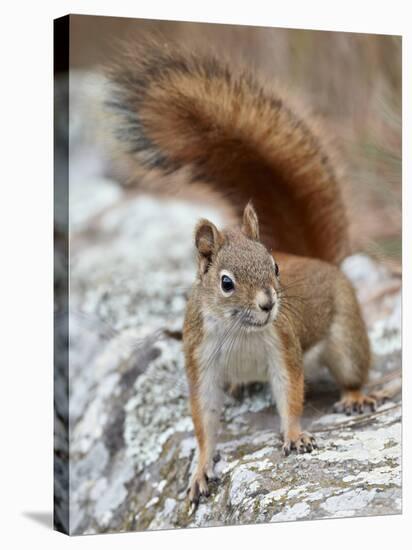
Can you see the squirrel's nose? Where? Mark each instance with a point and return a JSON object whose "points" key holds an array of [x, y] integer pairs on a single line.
{"points": [[265, 300], [267, 306]]}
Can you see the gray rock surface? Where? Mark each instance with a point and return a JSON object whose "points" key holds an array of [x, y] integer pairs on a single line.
{"points": [[132, 447]]}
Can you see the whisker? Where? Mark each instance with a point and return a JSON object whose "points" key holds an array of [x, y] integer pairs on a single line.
{"points": [[286, 302], [295, 296], [294, 283], [237, 336], [224, 339], [290, 309]]}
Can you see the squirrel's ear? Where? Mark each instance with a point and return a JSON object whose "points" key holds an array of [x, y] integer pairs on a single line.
{"points": [[250, 226], [208, 240]]}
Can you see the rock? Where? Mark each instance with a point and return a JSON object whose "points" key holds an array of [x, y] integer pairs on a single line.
{"points": [[132, 447]]}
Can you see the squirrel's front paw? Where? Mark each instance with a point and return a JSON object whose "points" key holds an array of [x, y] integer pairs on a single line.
{"points": [[304, 442], [199, 485]]}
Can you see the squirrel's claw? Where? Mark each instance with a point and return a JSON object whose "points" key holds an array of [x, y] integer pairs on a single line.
{"points": [[198, 488], [356, 402], [303, 443], [199, 485]]}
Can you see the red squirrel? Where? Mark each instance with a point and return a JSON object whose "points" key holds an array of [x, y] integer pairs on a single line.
{"points": [[268, 289]]}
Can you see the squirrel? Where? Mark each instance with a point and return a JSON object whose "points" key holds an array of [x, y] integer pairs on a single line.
{"points": [[268, 293]]}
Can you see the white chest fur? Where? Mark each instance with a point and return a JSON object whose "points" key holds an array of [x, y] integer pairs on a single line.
{"points": [[238, 355]]}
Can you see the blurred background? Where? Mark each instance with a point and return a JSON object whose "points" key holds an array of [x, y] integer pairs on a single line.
{"points": [[351, 81]]}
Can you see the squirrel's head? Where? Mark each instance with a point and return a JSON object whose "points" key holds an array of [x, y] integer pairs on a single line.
{"points": [[238, 275]]}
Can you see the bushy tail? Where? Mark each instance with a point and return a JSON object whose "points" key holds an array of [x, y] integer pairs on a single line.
{"points": [[194, 116]]}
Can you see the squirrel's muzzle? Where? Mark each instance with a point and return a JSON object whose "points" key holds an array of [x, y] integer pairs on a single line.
{"points": [[265, 300]]}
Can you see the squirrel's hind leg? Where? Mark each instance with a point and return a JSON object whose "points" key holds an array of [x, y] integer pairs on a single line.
{"points": [[347, 355], [350, 371]]}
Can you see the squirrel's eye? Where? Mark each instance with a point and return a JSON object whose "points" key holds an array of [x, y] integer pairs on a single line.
{"points": [[275, 265], [227, 284]]}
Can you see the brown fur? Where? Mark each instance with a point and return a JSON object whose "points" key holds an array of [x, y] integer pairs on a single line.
{"points": [[317, 306], [190, 122], [194, 119]]}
